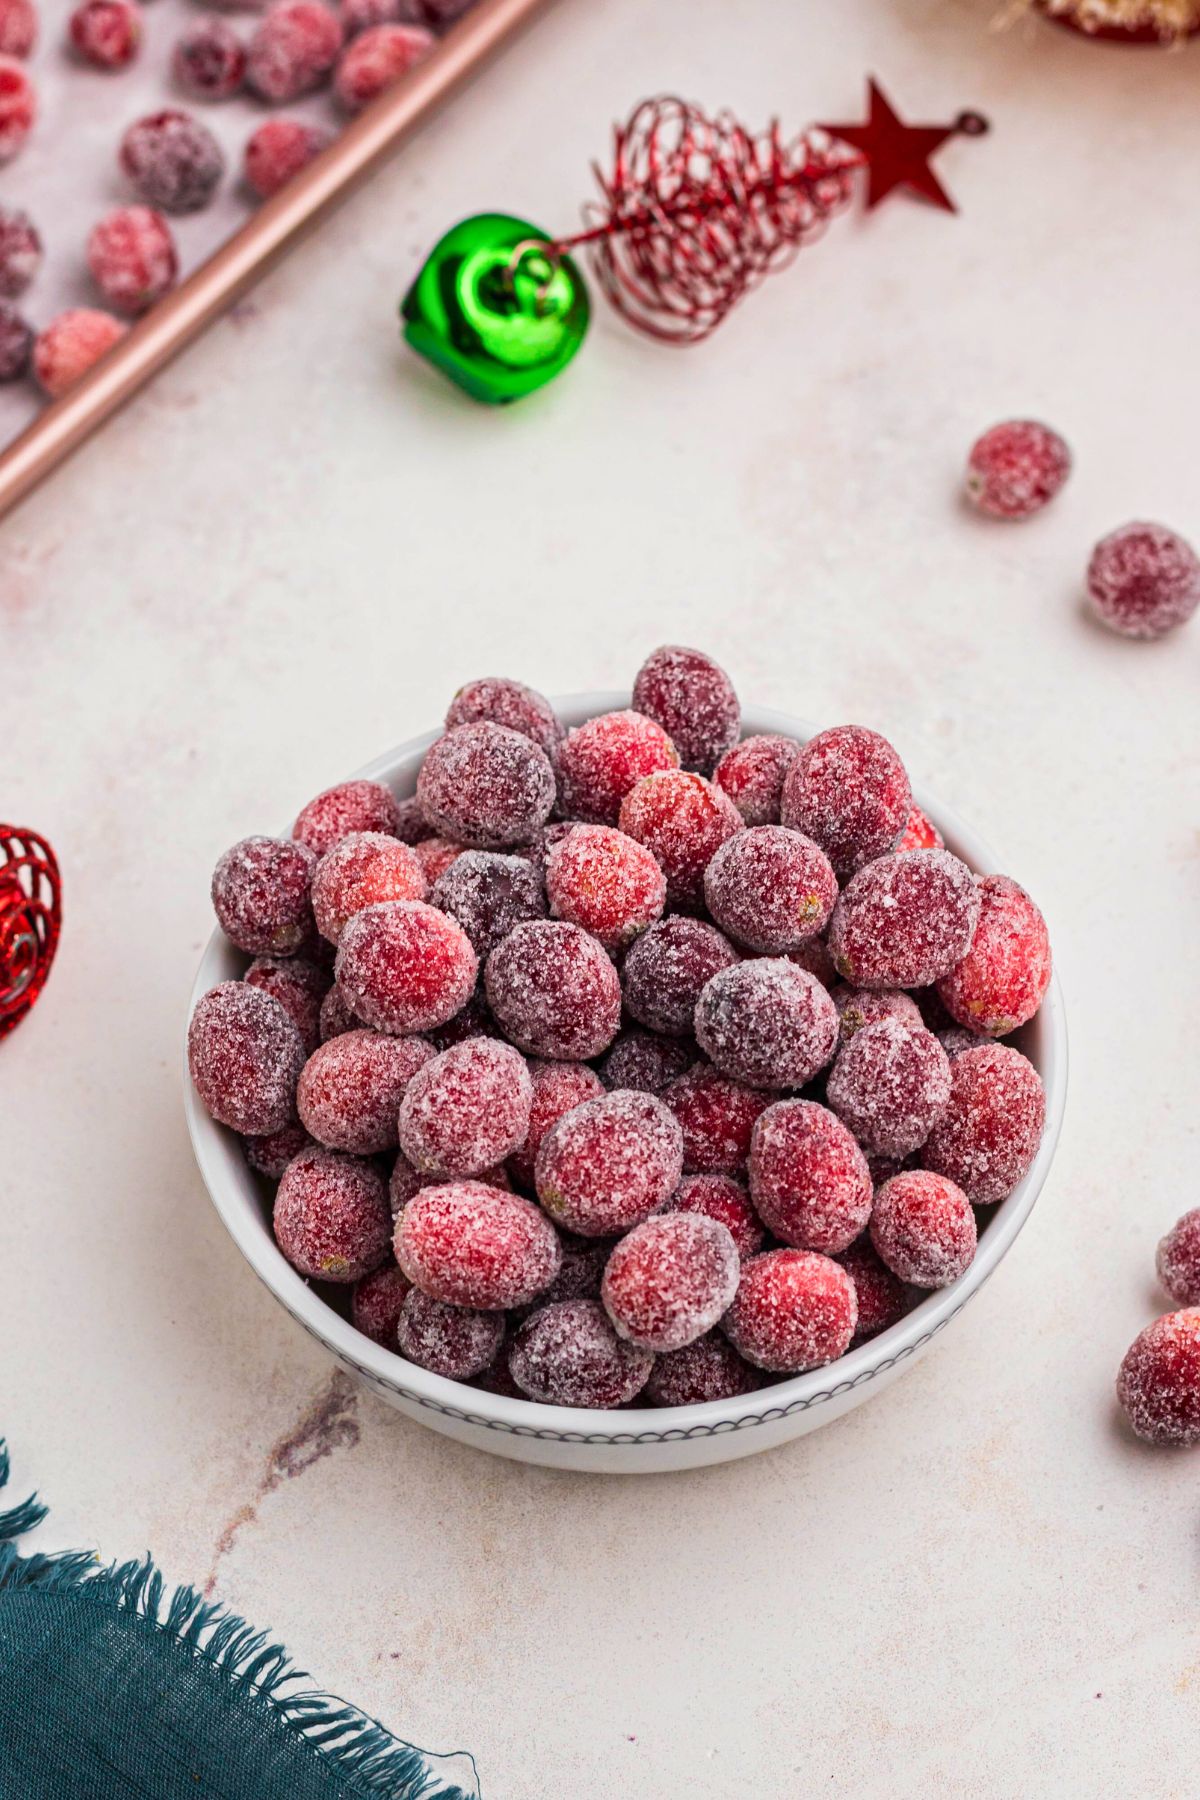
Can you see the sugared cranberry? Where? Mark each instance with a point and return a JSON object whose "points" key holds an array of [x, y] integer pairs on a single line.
{"points": [[467, 1109], [331, 1216], [18, 109], [919, 834], [1016, 468], [365, 868], [351, 806], [608, 883], [666, 969], [684, 819], [490, 896], [880, 1294], [558, 1087], [337, 1015], [709, 1369], [16, 343], [752, 773], [209, 60], [569, 1355], [1159, 1382], [814, 956], [717, 1117], [300, 988], [857, 1007], [20, 252], [1143, 580], [245, 1055], [992, 1126], [770, 888], [794, 1310], [474, 1245], [351, 1089], [639, 1059], [132, 258], [609, 1163], [454, 1341], [106, 33], [377, 58], [403, 966], [173, 161], [670, 1279], [890, 1085], [693, 700], [554, 991], [486, 786], [66, 349], [270, 1155], [923, 1228], [275, 152], [848, 791], [808, 1177], [436, 855], [504, 702], [292, 49], [260, 894], [1002, 979], [904, 921], [376, 1302], [600, 762], [767, 1023], [18, 28], [1178, 1260], [722, 1198]]}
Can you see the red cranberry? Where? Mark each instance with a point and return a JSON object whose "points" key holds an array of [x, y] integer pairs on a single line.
{"points": [[1002, 979], [600, 762], [666, 969], [18, 111], [904, 921], [403, 966], [670, 1279], [1178, 1260], [16, 343], [857, 1007], [771, 889], [919, 834], [260, 894], [569, 1355], [245, 1055], [18, 28], [274, 153], [366, 868], [684, 820], [767, 1023], [808, 1177], [292, 49], [351, 1089], [1159, 1383], [722, 1198], [923, 1228], [794, 1310], [503, 702], [709, 1369], [717, 1117], [208, 61], [693, 700], [890, 1085], [375, 60], [848, 791], [489, 895], [173, 161], [351, 806], [270, 1155], [132, 258], [881, 1297], [467, 1109], [300, 988], [612, 886], [1016, 468], [752, 773], [1143, 580], [990, 1131], [473, 1245], [453, 1341], [554, 991], [331, 1216], [609, 1163], [376, 1302], [486, 786], [558, 1087], [638, 1059], [106, 33], [68, 346]]}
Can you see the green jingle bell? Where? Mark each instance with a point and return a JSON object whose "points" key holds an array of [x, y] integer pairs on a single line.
{"points": [[494, 310]]}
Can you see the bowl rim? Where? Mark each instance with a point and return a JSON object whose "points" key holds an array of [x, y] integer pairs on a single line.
{"points": [[232, 1189]]}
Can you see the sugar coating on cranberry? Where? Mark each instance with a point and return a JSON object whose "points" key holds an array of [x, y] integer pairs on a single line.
{"points": [[173, 161], [923, 1228], [490, 895], [568, 1354], [857, 1007], [300, 988], [557, 1087], [722, 1198], [904, 921], [292, 49], [106, 33], [767, 1023], [849, 791], [600, 761], [670, 1279], [351, 1089], [882, 1301], [609, 1163], [270, 1154], [920, 833], [808, 1178], [1178, 1260], [666, 969], [814, 956], [454, 1341], [709, 1369], [1143, 580], [403, 966], [377, 58], [1016, 468], [1002, 978], [770, 888], [376, 1302], [132, 259], [467, 1109], [684, 819], [1158, 1386], [642, 1060], [693, 700], [474, 1245], [992, 1126], [365, 868], [245, 1056], [752, 773], [331, 1216], [485, 786], [260, 894], [350, 806], [18, 28], [20, 252], [436, 855], [890, 1085], [68, 346], [509, 703], [554, 991], [16, 343], [18, 108], [274, 153], [717, 1117], [337, 1015], [608, 883], [794, 1310], [209, 60]]}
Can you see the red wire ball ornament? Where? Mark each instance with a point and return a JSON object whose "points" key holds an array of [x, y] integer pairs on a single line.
{"points": [[30, 920]]}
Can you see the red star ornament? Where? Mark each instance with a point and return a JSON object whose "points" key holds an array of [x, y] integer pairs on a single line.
{"points": [[898, 155]]}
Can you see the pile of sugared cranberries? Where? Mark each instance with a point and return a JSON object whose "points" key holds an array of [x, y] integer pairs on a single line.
{"points": [[581, 991]]}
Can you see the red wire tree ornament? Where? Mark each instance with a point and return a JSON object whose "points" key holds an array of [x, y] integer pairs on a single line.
{"points": [[30, 920]]}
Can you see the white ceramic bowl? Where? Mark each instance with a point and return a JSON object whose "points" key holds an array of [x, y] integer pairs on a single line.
{"points": [[629, 1442]]}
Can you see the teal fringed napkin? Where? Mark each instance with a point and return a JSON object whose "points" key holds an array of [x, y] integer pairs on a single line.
{"points": [[110, 1691]]}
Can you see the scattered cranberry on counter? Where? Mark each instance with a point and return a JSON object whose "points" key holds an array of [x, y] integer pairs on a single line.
{"points": [[209, 61], [1143, 580], [106, 33], [132, 259], [292, 49], [375, 59], [275, 152], [1016, 468], [18, 27], [68, 346], [173, 161], [16, 343], [18, 107]]}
